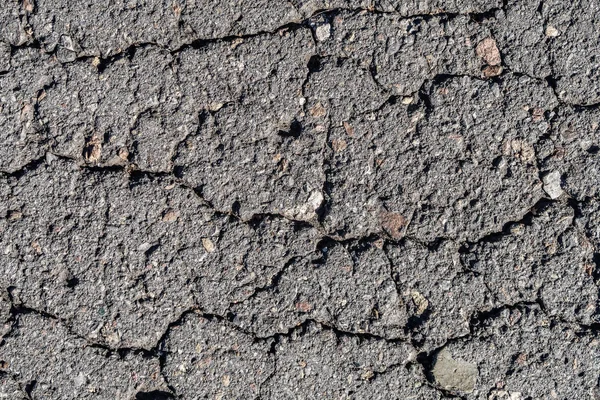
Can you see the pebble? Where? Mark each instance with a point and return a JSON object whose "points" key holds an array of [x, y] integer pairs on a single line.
{"points": [[338, 145], [318, 111], [488, 50], [420, 301], [50, 158], [14, 215], [80, 380], [170, 215], [393, 223], [323, 32], [454, 374], [93, 149], [491, 71], [208, 245], [552, 31], [552, 185]]}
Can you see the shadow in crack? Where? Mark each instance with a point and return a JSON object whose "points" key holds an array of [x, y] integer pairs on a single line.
{"points": [[154, 395]]}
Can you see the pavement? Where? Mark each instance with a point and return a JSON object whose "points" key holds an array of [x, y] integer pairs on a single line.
{"points": [[303, 199]]}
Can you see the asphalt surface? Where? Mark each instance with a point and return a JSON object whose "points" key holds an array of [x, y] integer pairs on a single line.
{"points": [[303, 199]]}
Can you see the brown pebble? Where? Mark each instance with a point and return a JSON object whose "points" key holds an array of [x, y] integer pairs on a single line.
{"points": [[92, 149], [170, 215], [27, 112], [522, 150], [420, 301], [123, 153], [338, 145], [28, 5], [176, 10], [303, 306], [491, 71], [537, 114], [488, 50], [349, 129], [318, 111], [393, 223], [36, 246]]}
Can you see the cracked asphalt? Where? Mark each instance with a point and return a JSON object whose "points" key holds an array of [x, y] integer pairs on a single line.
{"points": [[303, 199]]}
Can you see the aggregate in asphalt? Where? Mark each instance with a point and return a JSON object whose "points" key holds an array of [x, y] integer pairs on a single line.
{"points": [[303, 199]]}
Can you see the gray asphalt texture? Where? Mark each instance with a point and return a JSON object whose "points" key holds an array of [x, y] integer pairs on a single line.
{"points": [[303, 199]]}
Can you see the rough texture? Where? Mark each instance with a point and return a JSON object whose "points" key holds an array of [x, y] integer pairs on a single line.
{"points": [[351, 289], [208, 358], [303, 199], [48, 361], [519, 353], [318, 363]]}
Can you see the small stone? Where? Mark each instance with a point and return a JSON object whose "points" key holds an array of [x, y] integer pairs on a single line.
{"points": [[93, 149], [407, 100], [318, 111], [27, 112], [144, 246], [236, 43], [68, 44], [517, 229], [14, 215], [522, 150], [349, 129], [491, 71], [28, 5], [80, 380], [323, 32], [36, 246], [393, 224], [552, 31], [208, 245], [215, 106], [123, 153], [176, 10], [226, 380], [303, 306], [488, 50], [454, 374], [308, 210], [338, 145], [521, 359], [367, 375], [50, 158], [170, 215], [552, 185], [5, 52], [420, 301]]}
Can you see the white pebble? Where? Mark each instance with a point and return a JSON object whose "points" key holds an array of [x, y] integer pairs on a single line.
{"points": [[323, 32]]}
